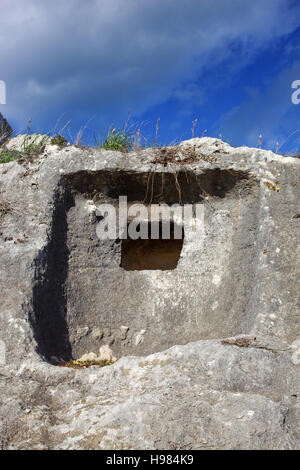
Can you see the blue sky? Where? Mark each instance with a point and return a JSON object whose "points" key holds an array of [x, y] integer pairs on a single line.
{"points": [[228, 63]]}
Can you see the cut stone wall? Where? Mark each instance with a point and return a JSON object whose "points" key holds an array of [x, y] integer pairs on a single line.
{"points": [[208, 347], [87, 299]]}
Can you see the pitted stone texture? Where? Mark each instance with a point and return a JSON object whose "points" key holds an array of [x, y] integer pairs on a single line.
{"points": [[203, 394]]}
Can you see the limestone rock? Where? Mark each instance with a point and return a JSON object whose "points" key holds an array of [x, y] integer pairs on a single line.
{"points": [[89, 357], [106, 354], [217, 362]]}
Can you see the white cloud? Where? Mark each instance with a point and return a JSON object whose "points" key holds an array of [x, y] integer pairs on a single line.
{"points": [[105, 57], [269, 112]]}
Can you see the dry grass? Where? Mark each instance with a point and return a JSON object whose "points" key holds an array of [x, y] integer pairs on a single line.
{"points": [[172, 157], [84, 364], [59, 140], [272, 187], [180, 156], [5, 207], [246, 343], [8, 206]]}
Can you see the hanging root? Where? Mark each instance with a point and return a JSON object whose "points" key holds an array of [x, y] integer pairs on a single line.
{"points": [[152, 187], [147, 188], [177, 184]]}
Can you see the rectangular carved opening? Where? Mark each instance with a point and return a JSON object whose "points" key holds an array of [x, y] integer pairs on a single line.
{"points": [[150, 254], [87, 290]]}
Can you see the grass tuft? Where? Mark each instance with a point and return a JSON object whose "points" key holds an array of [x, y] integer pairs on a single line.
{"points": [[7, 156], [34, 145]]}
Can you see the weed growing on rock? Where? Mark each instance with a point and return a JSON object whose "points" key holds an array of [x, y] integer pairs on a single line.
{"points": [[59, 140], [117, 139], [7, 156], [272, 186], [33, 145]]}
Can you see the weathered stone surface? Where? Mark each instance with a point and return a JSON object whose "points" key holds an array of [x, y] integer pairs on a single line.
{"points": [[5, 129], [208, 352]]}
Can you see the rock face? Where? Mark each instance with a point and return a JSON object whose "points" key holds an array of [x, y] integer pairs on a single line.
{"points": [[5, 130], [206, 330]]}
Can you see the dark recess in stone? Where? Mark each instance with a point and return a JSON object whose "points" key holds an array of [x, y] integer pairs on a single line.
{"points": [[62, 303], [161, 187], [151, 254], [48, 318]]}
